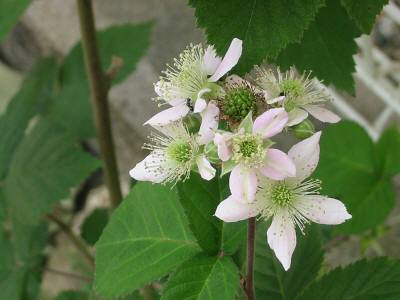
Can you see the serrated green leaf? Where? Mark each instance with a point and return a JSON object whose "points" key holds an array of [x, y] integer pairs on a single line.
{"points": [[327, 48], [365, 280], [32, 98], [364, 12], [147, 237], [200, 199], [204, 278], [10, 12], [73, 109], [265, 27], [271, 280], [93, 225], [388, 152], [45, 166]]}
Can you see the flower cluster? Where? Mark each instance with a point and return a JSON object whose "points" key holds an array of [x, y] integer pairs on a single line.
{"points": [[216, 120]]}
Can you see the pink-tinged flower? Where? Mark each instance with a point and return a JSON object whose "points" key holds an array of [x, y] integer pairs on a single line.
{"points": [[248, 155], [173, 155], [191, 81], [297, 94], [289, 202]]}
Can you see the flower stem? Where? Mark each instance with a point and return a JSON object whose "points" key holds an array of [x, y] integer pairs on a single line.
{"points": [[99, 87], [249, 283]]}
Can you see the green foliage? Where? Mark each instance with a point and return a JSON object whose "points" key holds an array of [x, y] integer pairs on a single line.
{"points": [[271, 280], [73, 108], [10, 12], [147, 237], [327, 48], [265, 27], [358, 172], [204, 277], [45, 166], [94, 225], [72, 295], [364, 12], [200, 198], [33, 97], [375, 279]]}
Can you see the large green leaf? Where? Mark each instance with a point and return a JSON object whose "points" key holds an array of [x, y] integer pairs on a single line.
{"points": [[349, 171], [271, 280], [364, 12], [93, 225], [32, 98], [45, 166], [204, 277], [265, 27], [364, 280], [73, 108], [327, 48], [388, 152], [10, 12], [200, 199], [147, 237], [72, 295]]}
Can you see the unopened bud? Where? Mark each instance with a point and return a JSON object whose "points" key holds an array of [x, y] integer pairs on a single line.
{"points": [[304, 130]]}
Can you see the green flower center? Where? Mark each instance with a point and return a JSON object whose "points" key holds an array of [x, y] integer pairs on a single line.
{"points": [[180, 152], [292, 89], [238, 102], [282, 195], [248, 149]]}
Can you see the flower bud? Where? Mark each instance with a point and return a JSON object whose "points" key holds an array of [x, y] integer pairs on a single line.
{"points": [[192, 123], [304, 130]]}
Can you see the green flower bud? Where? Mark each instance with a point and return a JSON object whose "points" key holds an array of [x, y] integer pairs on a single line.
{"points": [[304, 130], [192, 123]]}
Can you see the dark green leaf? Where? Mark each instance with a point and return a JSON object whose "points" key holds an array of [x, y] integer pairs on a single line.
{"points": [[204, 277], [147, 237], [72, 295], [265, 27], [327, 48], [365, 280], [271, 280], [364, 12], [94, 225], [10, 12], [388, 151]]}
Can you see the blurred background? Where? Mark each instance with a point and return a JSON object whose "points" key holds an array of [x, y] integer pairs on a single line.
{"points": [[50, 27]]}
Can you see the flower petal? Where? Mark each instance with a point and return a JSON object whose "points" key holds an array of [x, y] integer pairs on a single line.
{"points": [[211, 60], [142, 172], [322, 210], [322, 114], [243, 184], [281, 236], [200, 103], [230, 59], [206, 171], [231, 210], [278, 165], [209, 123], [270, 122], [221, 141], [168, 116], [296, 116], [305, 156]]}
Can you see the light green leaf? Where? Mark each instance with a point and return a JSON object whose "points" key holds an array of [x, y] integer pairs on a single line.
{"points": [[45, 166], [10, 12], [271, 280], [147, 237], [327, 48], [73, 109], [388, 152], [265, 27], [247, 123], [227, 166], [367, 280], [364, 12], [32, 98], [93, 225], [204, 278]]}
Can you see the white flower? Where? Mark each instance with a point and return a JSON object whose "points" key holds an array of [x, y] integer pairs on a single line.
{"points": [[173, 155], [289, 202], [297, 94]]}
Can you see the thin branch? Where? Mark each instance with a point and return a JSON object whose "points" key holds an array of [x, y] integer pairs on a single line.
{"points": [[249, 281], [99, 86], [68, 274], [76, 240]]}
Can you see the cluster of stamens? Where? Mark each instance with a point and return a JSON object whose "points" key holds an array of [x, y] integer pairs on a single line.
{"points": [[248, 149], [238, 101]]}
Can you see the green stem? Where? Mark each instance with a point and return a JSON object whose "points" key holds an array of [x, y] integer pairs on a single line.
{"points": [[249, 282], [99, 87]]}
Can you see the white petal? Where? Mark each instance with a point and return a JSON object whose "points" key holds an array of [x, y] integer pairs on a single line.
{"points": [[281, 236], [270, 122], [207, 172], [221, 140], [243, 184], [273, 100], [231, 210], [142, 172], [230, 60], [296, 116], [201, 103], [305, 156], [278, 165], [322, 114], [211, 60], [322, 210], [168, 116], [209, 123]]}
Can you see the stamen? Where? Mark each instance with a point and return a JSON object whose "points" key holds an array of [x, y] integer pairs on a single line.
{"points": [[248, 149]]}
